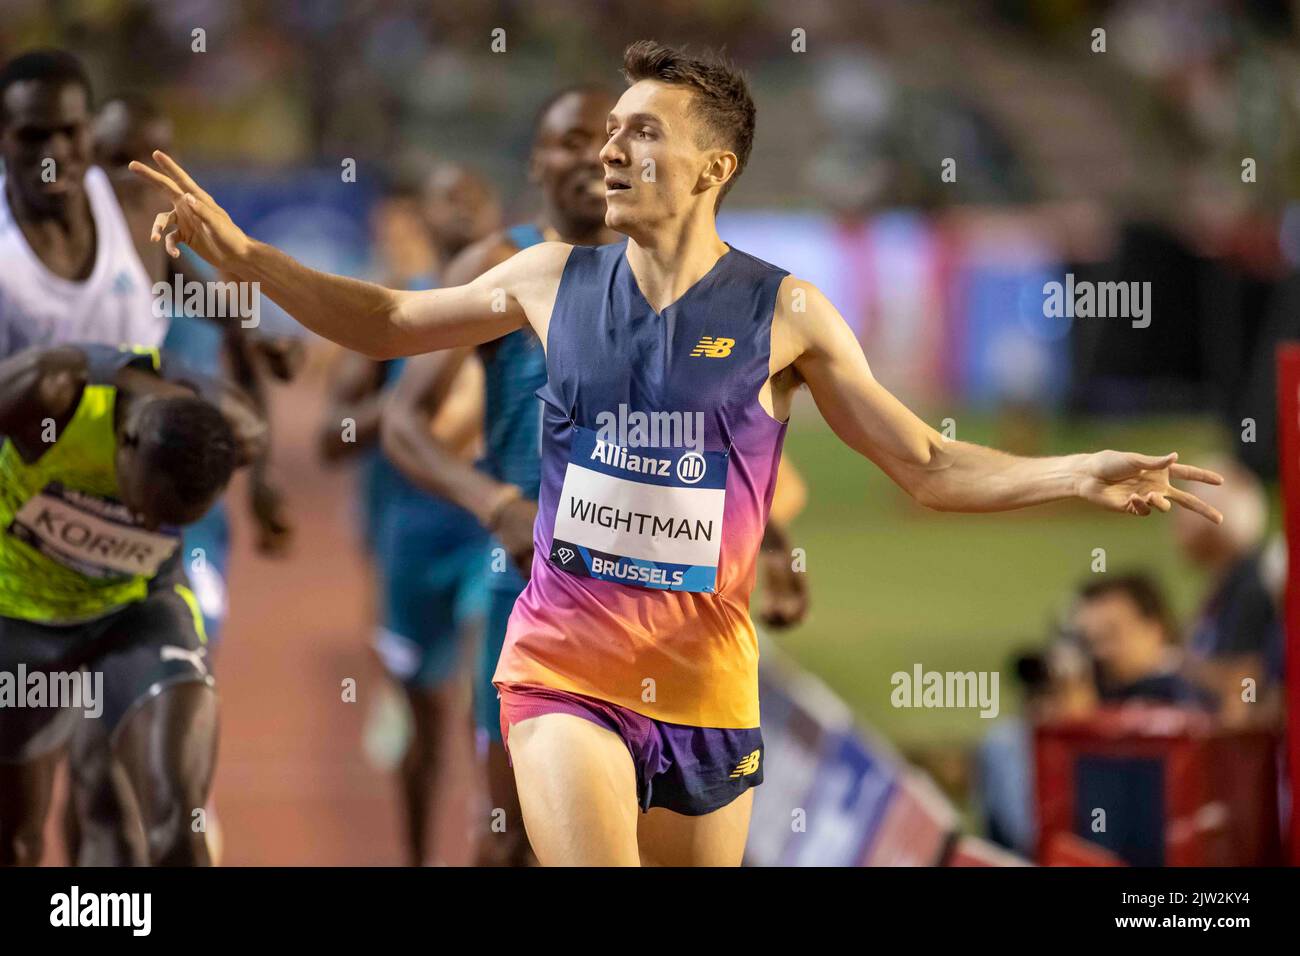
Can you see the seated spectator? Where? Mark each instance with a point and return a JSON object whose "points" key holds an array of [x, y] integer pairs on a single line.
{"points": [[1125, 624], [1235, 643], [1058, 685]]}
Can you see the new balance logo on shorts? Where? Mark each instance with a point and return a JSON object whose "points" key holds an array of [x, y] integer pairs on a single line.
{"points": [[747, 766], [711, 347]]}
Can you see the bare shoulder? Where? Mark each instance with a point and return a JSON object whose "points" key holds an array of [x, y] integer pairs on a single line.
{"points": [[531, 277], [798, 299], [543, 262], [800, 320]]}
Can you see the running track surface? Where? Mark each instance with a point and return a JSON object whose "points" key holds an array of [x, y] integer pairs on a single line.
{"points": [[293, 784]]}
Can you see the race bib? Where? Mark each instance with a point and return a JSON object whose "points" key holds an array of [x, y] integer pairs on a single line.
{"points": [[651, 517], [91, 535]]}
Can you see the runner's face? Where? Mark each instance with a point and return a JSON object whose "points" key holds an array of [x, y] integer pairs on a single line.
{"points": [[1115, 632], [566, 159], [46, 121], [653, 166], [459, 208]]}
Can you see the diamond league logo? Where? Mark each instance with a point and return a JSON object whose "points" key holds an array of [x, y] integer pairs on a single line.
{"points": [[566, 554]]}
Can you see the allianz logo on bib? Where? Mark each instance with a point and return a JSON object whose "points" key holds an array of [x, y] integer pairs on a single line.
{"points": [[690, 469], [620, 430]]}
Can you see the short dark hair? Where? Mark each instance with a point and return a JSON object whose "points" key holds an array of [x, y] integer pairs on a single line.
{"points": [[721, 99], [1142, 590], [47, 66], [576, 89], [187, 440]]}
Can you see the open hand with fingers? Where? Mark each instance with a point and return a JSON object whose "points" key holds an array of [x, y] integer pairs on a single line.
{"points": [[1133, 483], [195, 218]]}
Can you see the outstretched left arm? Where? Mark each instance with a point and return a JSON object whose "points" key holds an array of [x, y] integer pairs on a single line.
{"points": [[944, 474]]}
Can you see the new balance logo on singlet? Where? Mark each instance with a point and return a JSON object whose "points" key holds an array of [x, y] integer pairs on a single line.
{"points": [[711, 347]]}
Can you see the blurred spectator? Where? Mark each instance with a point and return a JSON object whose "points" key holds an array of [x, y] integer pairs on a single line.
{"points": [[1058, 685], [1237, 634], [1125, 623]]}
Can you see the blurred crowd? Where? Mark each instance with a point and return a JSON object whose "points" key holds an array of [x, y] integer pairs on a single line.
{"points": [[1119, 646], [860, 100]]}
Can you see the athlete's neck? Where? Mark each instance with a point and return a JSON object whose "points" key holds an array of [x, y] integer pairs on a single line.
{"points": [[553, 225], [667, 264], [70, 217]]}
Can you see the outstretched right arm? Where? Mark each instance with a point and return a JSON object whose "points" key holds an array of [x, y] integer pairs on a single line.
{"points": [[378, 322]]}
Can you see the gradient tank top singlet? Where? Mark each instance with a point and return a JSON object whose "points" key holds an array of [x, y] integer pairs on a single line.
{"points": [[658, 467]]}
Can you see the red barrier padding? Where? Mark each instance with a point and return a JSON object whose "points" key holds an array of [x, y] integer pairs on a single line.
{"points": [[1158, 786]]}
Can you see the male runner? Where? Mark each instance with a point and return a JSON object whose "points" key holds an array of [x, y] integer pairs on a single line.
{"points": [[73, 271], [129, 127], [106, 454], [429, 554], [629, 675], [565, 163]]}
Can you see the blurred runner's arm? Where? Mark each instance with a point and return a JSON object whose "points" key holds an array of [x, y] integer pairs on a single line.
{"points": [[949, 475], [368, 318], [790, 494], [354, 392], [499, 506], [265, 500], [421, 454], [785, 589]]}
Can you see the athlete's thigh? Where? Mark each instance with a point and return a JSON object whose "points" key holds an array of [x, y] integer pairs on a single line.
{"points": [[713, 839], [102, 815], [40, 727], [577, 790], [167, 748], [33, 738], [149, 646], [160, 705]]}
